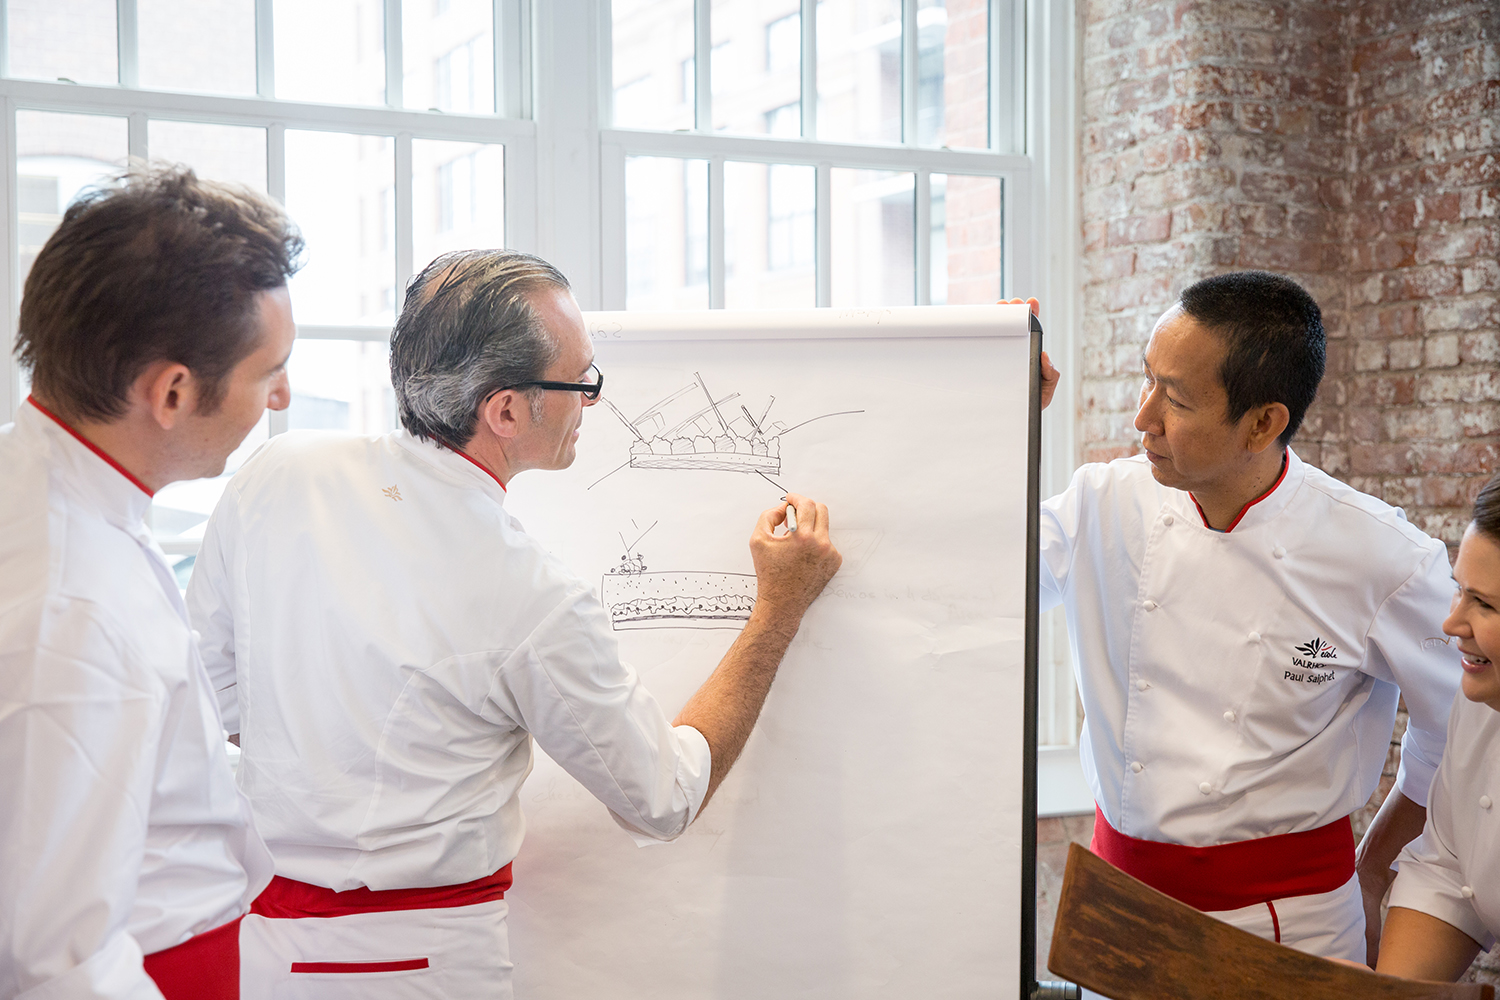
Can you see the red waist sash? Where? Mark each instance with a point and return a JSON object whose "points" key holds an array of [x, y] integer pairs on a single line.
{"points": [[204, 967], [1229, 876], [287, 898]]}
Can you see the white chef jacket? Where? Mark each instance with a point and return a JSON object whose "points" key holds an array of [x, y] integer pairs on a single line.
{"points": [[387, 639], [1452, 871], [1243, 684], [121, 831]]}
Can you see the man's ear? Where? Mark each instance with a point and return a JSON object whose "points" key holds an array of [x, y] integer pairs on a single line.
{"points": [[168, 391], [506, 414], [1266, 424]]}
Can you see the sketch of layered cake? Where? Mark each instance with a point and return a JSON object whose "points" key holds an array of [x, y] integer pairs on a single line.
{"points": [[678, 599], [637, 599], [704, 433]]}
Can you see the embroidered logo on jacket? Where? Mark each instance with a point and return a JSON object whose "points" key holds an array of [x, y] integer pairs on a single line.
{"points": [[1318, 650], [392, 492], [1315, 654]]}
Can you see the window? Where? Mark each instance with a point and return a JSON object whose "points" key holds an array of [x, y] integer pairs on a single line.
{"points": [[871, 108]]}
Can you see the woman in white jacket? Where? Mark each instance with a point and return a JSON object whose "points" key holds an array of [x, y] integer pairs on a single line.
{"points": [[1445, 903]]}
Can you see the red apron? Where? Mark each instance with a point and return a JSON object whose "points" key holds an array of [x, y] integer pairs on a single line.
{"points": [[288, 899], [204, 967], [1231, 876]]}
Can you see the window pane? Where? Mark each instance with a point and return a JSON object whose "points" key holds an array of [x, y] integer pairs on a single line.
{"points": [[448, 55], [953, 103], [757, 66], [67, 39], [653, 63], [966, 230], [859, 70], [330, 50], [770, 244], [57, 156], [873, 216], [180, 510], [341, 385], [340, 189], [206, 46], [666, 233], [458, 197], [218, 152]]}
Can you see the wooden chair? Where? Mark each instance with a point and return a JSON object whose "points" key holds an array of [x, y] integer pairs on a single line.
{"points": [[1120, 937]]}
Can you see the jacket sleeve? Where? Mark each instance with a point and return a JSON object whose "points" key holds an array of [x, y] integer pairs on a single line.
{"points": [[1060, 520], [1430, 877], [79, 736], [210, 602], [591, 714], [1406, 646]]}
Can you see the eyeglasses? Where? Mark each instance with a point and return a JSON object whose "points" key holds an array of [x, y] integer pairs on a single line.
{"points": [[590, 390]]}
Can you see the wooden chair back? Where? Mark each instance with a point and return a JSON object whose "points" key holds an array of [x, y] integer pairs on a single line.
{"points": [[1120, 937]]}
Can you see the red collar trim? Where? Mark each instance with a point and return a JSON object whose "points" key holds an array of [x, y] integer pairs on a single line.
{"points": [[476, 465], [91, 446], [1285, 464]]}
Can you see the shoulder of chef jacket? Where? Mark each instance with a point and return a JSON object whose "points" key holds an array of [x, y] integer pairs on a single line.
{"points": [[1450, 870], [1220, 670]]}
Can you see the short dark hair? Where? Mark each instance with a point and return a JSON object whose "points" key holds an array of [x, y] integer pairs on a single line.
{"points": [[155, 265], [467, 329], [1274, 333], [1487, 509]]}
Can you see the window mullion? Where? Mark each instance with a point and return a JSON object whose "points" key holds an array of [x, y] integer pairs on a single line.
{"points": [[922, 234], [512, 51], [909, 72], [4, 37], [393, 72], [716, 232], [809, 69], [703, 55], [404, 225], [265, 49], [823, 229], [135, 136], [127, 36], [10, 288]]}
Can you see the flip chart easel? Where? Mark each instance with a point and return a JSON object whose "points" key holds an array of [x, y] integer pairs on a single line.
{"points": [[877, 837]]}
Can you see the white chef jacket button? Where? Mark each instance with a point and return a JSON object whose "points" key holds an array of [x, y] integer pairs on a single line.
{"points": [[1278, 552], [1466, 892], [1141, 685], [1149, 605], [1137, 766], [1228, 716], [1254, 637], [1485, 802], [1168, 520], [1205, 788]]}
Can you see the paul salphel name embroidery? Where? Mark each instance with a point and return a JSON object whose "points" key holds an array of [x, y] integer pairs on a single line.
{"points": [[1315, 654]]}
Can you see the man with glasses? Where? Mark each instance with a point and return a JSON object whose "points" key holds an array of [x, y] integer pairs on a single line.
{"points": [[387, 641]]}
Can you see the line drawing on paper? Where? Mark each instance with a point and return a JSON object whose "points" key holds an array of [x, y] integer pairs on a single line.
{"points": [[715, 435], [636, 598]]}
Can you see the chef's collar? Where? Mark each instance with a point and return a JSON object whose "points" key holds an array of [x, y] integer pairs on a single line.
{"points": [[87, 468], [455, 465], [1266, 506]]}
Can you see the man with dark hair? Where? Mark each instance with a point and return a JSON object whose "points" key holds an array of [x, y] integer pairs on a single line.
{"points": [[387, 642], [1242, 625], [156, 326]]}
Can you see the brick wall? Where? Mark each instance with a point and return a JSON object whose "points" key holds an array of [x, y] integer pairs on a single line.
{"points": [[1351, 144]]}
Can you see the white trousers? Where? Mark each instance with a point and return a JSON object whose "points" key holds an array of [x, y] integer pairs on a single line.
{"points": [[1327, 924], [465, 948]]}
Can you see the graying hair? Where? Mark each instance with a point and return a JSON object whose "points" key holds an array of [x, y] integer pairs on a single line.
{"points": [[467, 330]]}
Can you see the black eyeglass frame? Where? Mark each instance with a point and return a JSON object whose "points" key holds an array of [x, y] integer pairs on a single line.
{"points": [[590, 390]]}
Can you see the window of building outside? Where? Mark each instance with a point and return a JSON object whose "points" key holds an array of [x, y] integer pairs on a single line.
{"points": [[857, 160]]}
